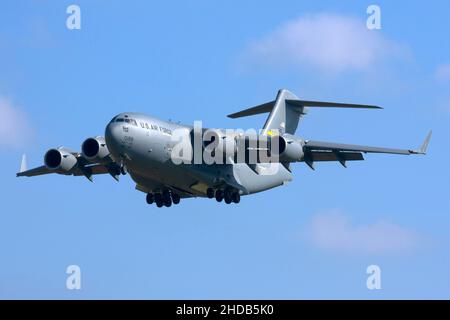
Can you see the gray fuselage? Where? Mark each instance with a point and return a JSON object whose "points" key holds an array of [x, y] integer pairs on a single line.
{"points": [[144, 144]]}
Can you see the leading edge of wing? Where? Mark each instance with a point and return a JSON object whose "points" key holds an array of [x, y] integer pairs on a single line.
{"points": [[34, 172], [322, 145]]}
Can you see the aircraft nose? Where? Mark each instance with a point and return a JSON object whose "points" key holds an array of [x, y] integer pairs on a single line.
{"points": [[113, 135]]}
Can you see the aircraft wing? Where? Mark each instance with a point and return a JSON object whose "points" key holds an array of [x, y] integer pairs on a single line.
{"points": [[34, 172], [95, 169], [83, 167], [329, 151]]}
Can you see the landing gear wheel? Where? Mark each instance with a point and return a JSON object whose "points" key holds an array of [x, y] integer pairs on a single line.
{"points": [[236, 197], [159, 200], [219, 195], [175, 198], [227, 196], [210, 193], [166, 198], [150, 198], [123, 170], [168, 202]]}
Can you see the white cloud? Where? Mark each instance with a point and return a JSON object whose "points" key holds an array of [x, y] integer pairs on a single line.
{"points": [[443, 72], [330, 42], [14, 125], [333, 232]]}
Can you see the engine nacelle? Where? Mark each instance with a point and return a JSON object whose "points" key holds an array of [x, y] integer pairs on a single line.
{"points": [[287, 149], [95, 148], [60, 159]]}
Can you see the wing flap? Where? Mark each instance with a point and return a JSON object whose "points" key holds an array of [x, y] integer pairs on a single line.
{"points": [[92, 169], [312, 145], [317, 156]]}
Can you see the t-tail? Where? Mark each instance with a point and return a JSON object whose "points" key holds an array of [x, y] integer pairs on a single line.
{"points": [[287, 109]]}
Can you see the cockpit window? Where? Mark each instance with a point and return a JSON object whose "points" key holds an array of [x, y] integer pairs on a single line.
{"points": [[128, 120], [113, 119]]}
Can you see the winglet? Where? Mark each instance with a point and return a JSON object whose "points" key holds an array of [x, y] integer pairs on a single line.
{"points": [[424, 147], [23, 164]]}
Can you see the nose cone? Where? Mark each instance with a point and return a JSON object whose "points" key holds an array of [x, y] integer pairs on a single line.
{"points": [[113, 137]]}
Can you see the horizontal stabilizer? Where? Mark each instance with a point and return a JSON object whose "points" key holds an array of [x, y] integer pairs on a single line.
{"points": [[262, 108], [268, 106], [322, 104]]}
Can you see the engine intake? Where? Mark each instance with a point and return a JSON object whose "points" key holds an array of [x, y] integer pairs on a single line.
{"points": [[59, 159], [287, 149], [95, 148]]}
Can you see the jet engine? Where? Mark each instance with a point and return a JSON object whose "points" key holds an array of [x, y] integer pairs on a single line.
{"points": [[95, 149], [287, 149], [60, 159]]}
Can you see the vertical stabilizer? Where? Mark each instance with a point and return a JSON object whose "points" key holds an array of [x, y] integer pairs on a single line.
{"points": [[284, 116]]}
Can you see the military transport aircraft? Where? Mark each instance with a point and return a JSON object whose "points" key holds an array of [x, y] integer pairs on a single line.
{"points": [[143, 146]]}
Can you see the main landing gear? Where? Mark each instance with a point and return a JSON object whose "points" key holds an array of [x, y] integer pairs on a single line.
{"points": [[227, 195], [165, 198]]}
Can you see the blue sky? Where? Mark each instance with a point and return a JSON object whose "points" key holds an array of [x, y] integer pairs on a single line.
{"points": [[201, 60]]}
